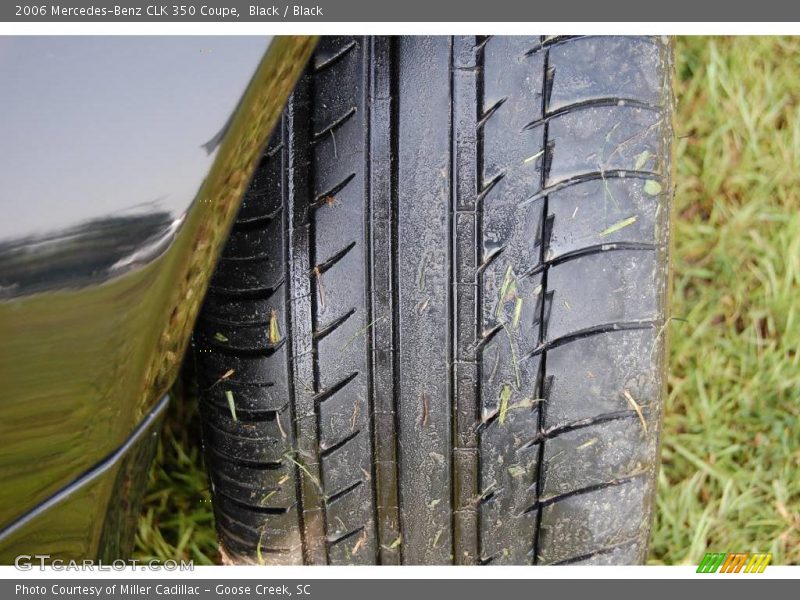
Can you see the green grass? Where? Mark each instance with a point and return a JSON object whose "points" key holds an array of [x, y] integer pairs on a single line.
{"points": [[177, 521], [731, 441]]}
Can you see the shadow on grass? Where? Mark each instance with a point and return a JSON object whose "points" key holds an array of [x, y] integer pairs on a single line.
{"points": [[177, 520]]}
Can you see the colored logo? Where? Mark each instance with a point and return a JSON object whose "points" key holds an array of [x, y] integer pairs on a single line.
{"points": [[734, 562]]}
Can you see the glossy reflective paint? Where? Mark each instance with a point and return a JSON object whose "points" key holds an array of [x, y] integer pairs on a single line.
{"points": [[123, 163], [96, 516]]}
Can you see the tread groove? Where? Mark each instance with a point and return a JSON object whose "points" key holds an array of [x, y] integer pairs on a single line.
{"points": [[327, 451], [326, 393], [547, 148], [489, 260], [490, 185], [334, 125], [301, 306], [236, 482], [238, 383], [251, 223], [485, 422], [228, 350], [554, 40], [592, 176], [589, 332], [379, 272], [488, 336], [332, 60], [488, 114], [222, 321], [547, 501], [344, 537], [556, 430], [589, 251], [248, 416], [593, 103], [261, 257], [264, 510], [343, 492], [598, 552], [252, 464], [257, 293], [327, 264], [233, 436], [331, 193], [392, 525], [333, 325], [466, 127]]}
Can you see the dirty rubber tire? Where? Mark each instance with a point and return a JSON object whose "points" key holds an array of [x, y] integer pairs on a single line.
{"points": [[435, 334]]}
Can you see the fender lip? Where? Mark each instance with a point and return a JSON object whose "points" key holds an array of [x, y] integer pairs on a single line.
{"points": [[84, 361], [103, 467]]}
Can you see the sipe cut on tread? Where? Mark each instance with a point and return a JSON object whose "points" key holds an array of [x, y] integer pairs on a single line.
{"points": [[435, 335]]}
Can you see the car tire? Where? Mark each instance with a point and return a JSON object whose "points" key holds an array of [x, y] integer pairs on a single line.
{"points": [[436, 332]]}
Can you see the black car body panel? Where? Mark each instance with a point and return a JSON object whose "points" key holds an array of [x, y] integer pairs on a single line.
{"points": [[124, 161]]}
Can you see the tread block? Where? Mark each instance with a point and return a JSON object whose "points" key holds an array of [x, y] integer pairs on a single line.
{"points": [[598, 67], [346, 464], [622, 291], [232, 276], [247, 398], [264, 449], [252, 526], [603, 139], [254, 241], [260, 200], [219, 309], [583, 523], [344, 413], [510, 151], [591, 455], [255, 369], [423, 172], [590, 376], [597, 213]]}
